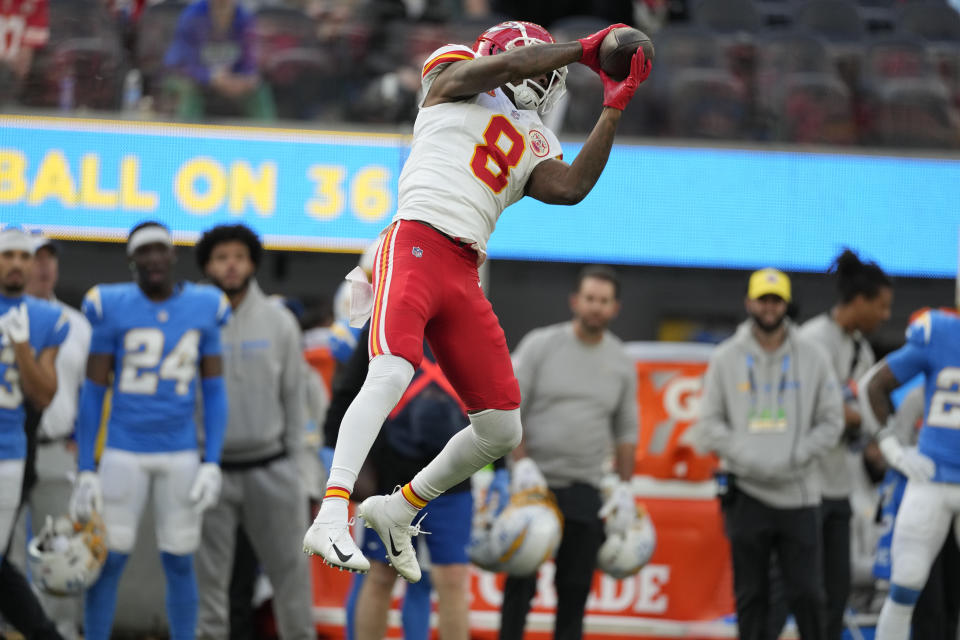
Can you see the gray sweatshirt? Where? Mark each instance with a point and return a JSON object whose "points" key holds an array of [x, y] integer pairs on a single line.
{"points": [[264, 370], [850, 356], [578, 401], [770, 415]]}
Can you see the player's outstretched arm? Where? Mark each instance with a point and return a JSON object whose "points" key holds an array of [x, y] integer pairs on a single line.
{"points": [[469, 77], [555, 181]]}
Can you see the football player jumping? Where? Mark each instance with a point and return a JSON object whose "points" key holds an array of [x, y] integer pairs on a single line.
{"points": [[931, 503], [478, 146], [153, 335]]}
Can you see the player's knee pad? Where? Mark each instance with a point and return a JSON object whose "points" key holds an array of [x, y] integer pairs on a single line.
{"points": [[390, 376], [121, 537], [911, 567], [179, 541], [498, 431], [904, 595]]}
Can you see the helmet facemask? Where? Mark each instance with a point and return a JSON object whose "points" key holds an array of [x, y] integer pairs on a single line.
{"points": [[528, 94]]}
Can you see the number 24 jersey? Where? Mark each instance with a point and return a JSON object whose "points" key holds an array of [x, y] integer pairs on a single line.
{"points": [[469, 159], [933, 348], [157, 347]]}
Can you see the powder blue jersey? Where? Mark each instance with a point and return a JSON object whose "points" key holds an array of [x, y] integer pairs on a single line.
{"points": [[48, 328], [156, 348], [933, 348]]}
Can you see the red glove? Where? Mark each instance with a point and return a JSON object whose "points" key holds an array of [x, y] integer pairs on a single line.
{"points": [[591, 46], [618, 94]]}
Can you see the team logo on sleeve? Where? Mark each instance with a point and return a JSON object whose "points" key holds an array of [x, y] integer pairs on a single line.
{"points": [[539, 144]]}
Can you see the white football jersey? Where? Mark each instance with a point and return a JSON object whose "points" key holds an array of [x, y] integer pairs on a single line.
{"points": [[470, 159]]}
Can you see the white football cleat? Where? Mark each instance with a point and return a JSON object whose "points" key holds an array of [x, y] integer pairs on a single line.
{"points": [[395, 535], [332, 542]]}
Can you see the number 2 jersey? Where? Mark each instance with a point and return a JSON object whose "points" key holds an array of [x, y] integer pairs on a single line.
{"points": [[157, 347], [469, 159], [48, 328], [933, 348]]}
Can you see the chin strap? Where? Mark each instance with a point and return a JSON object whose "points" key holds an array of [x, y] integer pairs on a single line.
{"points": [[525, 96]]}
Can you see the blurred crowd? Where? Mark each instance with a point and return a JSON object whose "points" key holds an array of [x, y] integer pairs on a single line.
{"points": [[845, 72]]}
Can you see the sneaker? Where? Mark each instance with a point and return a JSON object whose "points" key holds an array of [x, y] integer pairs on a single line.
{"points": [[332, 542], [396, 536]]}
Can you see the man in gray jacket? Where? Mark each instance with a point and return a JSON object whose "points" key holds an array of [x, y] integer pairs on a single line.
{"points": [[771, 407], [864, 300], [262, 493], [579, 407]]}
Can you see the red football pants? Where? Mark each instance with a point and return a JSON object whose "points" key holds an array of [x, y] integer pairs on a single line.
{"points": [[426, 285]]}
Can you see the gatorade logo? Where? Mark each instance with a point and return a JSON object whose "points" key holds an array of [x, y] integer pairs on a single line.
{"points": [[681, 398]]}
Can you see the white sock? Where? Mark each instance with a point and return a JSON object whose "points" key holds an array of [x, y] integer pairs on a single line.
{"points": [[491, 435], [399, 509], [386, 381], [333, 510], [894, 622]]}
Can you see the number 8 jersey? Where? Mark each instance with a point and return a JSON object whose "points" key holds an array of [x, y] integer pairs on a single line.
{"points": [[470, 159], [157, 347], [933, 348]]}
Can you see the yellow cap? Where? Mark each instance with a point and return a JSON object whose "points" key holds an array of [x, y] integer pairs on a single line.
{"points": [[769, 282]]}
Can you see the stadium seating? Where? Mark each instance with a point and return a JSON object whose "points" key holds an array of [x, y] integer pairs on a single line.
{"points": [[99, 62], [780, 54], [728, 17], [815, 108], [154, 33], [932, 21], [878, 16], [897, 57], [775, 14], [299, 70], [83, 39], [836, 20], [914, 112], [707, 103], [732, 67]]}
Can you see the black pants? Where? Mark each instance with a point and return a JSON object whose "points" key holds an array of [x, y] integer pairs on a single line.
{"points": [[575, 562], [836, 514], [935, 616], [756, 531], [243, 582]]}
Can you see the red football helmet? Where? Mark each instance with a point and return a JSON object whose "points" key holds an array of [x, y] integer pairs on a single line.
{"points": [[507, 35]]}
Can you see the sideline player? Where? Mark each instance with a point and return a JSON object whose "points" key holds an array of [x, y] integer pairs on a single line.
{"points": [[32, 332], [478, 146], [931, 502], [152, 334]]}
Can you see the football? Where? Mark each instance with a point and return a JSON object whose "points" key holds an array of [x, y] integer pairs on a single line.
{"points": [[618, 47]]}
